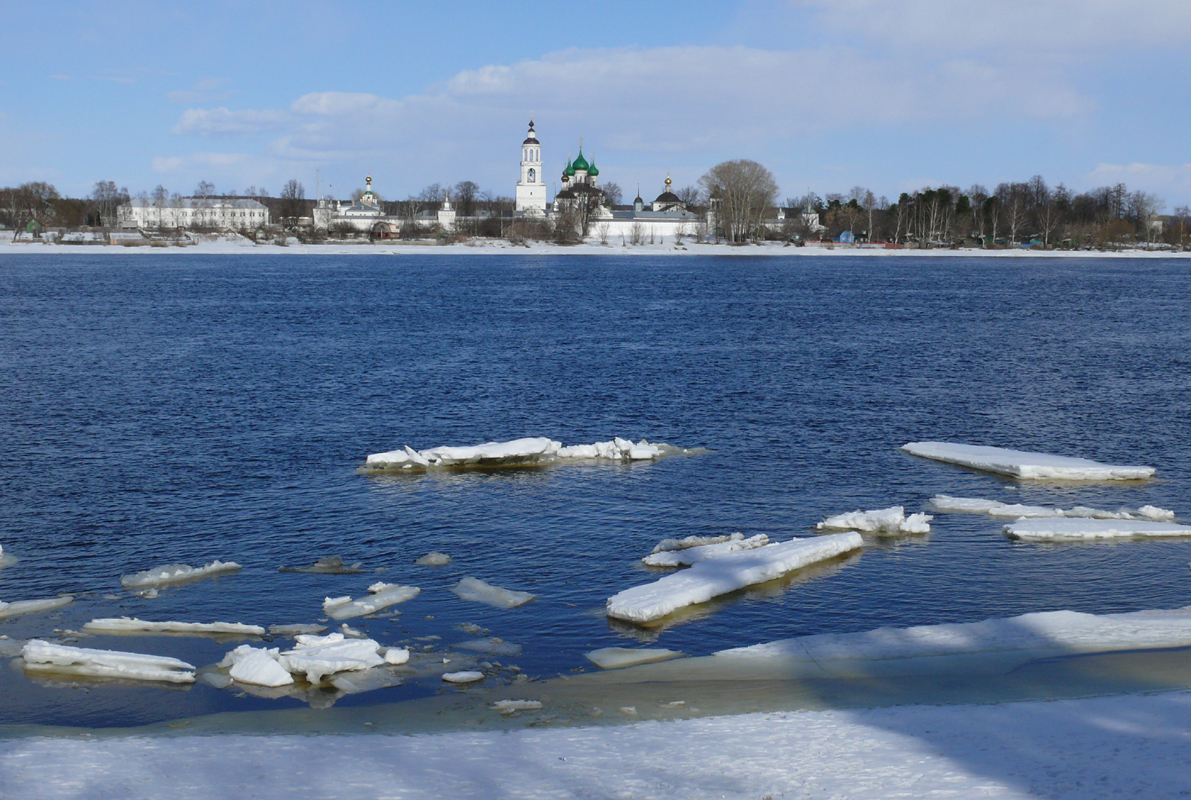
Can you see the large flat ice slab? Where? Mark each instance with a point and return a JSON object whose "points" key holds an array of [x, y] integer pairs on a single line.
{"points": [[42, 656], [478, 591], [529, 452], [171, 574], [1076, 530], [18, 607], [1044, 631], [995, 508], [620, 657], [717, 576], [126, 625], [1022, 464], [382, 595]]}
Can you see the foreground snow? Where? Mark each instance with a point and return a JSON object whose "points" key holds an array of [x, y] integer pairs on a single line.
{"points": [[537, 451], [730, 572], [1022, 464], [1064, 750], [1068, 530]]}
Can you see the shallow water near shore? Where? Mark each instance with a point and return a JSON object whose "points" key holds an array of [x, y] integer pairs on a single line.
{"points": [[190, 408]]}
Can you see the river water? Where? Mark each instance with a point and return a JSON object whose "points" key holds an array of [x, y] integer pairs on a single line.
{"points": [[182, 408]]}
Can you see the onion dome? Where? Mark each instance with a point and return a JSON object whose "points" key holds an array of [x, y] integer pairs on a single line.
{"points": [[581, 162], [531, 137], [592, 171], [569, 171]]}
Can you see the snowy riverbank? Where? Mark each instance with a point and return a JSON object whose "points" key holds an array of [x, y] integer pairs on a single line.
{"points": [[1095, 747], [237, 245]]}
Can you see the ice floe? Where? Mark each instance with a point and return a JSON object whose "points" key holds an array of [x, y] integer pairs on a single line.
{"points": [[513, 706], [382, 596], [18, 607], [886, 521], [319, 656], [1044, 631], [536, 451], [6, 559], [119, 625], [42, 656], [717, 576], [477, 591], [692, 541], [995, 508], [618, 657], [257, 665], [687, 556], [1070, 530], [294, 630], [1022, 464], [465, 676], [433, 559], [492, 647], [327, 565], [170, 574]]}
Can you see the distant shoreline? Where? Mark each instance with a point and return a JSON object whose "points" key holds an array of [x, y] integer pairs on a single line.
{"points": [[223, 246]]}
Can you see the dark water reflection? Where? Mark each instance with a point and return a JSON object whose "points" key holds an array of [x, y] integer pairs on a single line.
{"points": [[186, 408]]}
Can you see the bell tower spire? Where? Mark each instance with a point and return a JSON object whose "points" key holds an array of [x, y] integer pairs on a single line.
{"points": [[531, 189]]}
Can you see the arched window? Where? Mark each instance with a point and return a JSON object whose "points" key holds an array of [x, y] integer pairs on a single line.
{"points": [[532, 175]]}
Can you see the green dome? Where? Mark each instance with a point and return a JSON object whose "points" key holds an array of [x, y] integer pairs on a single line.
{"points": [[570, 168], [581, 162], [593, 172]]}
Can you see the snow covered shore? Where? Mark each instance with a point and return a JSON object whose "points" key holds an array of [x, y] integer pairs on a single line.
{"points": [[1109, 746], [238, 245]]}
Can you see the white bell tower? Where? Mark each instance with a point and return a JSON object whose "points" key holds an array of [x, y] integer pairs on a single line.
{"points": [[531, 189]]}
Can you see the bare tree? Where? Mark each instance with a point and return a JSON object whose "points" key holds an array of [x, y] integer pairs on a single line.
{"points": [[691, 197], [293, 201], [741, 192], [107, 199], [204, 190], [613, 194], [465, 194]]}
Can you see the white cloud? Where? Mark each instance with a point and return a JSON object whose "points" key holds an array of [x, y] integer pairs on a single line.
{"points": [[223, 122]]}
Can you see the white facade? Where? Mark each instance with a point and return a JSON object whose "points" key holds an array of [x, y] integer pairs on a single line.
{"points": [[531, 189], [361, 216], [193, 212]]}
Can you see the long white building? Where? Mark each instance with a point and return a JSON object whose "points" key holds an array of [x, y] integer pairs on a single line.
{"points": [[193, 212]]}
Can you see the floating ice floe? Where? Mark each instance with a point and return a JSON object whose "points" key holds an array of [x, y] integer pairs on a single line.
{"points": [[6, 559], [42, 656], [492, 647], [257, 665], [466, 676], [995, 508], [383, 595], [327, 565], [692, 555], [727, 573], [176, 573], [692, 541], [119, 625], [319, 656], [1021, 464], [887, 521], [513, 706], [618, 657], [477, 591], [18, 607], [296, 629], [537, 451], [434, 559], [1043, 631], [1070, 530]]}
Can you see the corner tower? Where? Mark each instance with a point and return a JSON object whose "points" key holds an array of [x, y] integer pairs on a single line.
{"points": [[531, 189]]}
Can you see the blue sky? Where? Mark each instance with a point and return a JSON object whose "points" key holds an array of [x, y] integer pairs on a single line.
{"points": [[891, 95]]}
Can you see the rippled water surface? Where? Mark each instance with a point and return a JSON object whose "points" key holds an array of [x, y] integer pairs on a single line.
{"points": [[184, 408]]}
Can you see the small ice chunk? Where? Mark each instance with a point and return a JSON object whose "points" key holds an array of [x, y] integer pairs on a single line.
{"points": [[1068, 529], [692, 555], [628, 711], [176, 573], [18, 607], [885, 521], [693, 541], [294, 630], [6, 560], [318, 656], [492, 647], [1022, 464], [257, 665], [477, 591], [717, 576], [513, 706], [131, 625], [42, 656], [382, 596], [1155, 513], [466, 676], [396, 656], [964, 505], [1018, 511], [434, 559], [366, 681], [327, 565], [618, 657]]}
